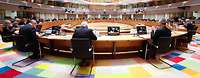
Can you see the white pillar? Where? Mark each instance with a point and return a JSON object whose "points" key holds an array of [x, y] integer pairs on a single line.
{"points": [[110, 16], [120, 16], [156, 15], [99, 15], [132, 16], [66, 16], [143, 16], [76, 15], [88, 16]]}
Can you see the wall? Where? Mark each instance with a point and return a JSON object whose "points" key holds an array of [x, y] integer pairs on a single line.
{"points": [[196, 14], [11, 13]]}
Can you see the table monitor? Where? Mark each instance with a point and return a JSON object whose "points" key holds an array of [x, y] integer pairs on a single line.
{"points": [[141, 30], [48, 32], [113, 30]]}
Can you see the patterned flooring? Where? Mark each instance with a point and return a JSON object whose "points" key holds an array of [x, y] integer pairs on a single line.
{"points": [[184, 65]]}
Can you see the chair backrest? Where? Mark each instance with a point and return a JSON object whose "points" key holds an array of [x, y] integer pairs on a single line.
{"points": [[21, 43], [164, 44], [193, 31], [5, 37], [81, 48]]}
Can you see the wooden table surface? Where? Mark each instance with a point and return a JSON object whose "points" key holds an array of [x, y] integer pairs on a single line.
{"points": [[114, 38]]}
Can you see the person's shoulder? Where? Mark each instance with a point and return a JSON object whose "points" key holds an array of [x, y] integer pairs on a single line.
{"points": [[4, 28], [90, 29], [159, 29]]}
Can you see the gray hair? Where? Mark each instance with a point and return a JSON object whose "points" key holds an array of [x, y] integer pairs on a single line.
{"points": [[7, 22], [163, 21], [33, 21], [84, 24]]}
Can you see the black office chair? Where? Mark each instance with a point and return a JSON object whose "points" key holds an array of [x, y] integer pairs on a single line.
{"points": [[184, 40], [82, 49], [23, 46], [190, 34], [7, 38], [164, 45]]}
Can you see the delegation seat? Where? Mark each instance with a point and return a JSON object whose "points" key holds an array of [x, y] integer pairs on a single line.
{"points": [[155, 52], [82, 48]]}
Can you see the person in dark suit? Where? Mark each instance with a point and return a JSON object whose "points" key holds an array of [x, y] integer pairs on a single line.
{"points": [[8, 31], [84, 32], [8, 28], [30, 36], [191, 29], [163, 31]]}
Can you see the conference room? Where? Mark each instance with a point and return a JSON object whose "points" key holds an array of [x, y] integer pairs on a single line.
{"points": [[99, 39]]}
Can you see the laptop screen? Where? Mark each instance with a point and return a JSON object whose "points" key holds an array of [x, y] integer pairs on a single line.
{"points": [[113, 30], [141, 30], [48, 32]]}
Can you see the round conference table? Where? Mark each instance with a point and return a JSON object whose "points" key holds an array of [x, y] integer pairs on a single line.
{"points": [[121, 44]]}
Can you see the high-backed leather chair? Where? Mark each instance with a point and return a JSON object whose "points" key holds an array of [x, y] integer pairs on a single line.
{"points": [[82, 49], [6, 38], [24, 46], [164, 45]]}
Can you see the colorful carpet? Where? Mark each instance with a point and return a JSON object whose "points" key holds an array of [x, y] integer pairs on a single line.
{"points": [[183, 66]]}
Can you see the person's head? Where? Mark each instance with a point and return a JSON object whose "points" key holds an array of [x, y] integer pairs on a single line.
{"points": [[33, 23], [17, 20], [187, 20], [8, 23], [163, 22], [84, 24]]}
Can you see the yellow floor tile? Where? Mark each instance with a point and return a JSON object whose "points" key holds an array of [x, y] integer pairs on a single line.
{"points": [[42, 66], [139, 72]]}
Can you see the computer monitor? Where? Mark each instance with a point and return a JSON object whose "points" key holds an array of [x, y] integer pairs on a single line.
{"points": [[113, 30], [141, 30], [48, 32]]}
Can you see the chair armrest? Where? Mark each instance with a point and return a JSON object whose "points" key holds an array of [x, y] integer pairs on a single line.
{"points": [[90, 49], [6, 36], [155, 46], [26, 45], [71, 49]]}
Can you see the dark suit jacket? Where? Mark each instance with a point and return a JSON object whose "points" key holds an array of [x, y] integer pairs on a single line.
{"points": [[189, 26], [83, 32], [162, 32], [8, 31], [28, 33]]}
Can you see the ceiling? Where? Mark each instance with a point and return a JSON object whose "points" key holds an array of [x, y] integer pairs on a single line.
{"points": [[105, 2]]}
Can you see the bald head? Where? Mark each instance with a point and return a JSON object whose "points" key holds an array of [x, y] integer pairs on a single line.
{"points": [[33, 23], [84, 24], [187, 20], [163, 21]]}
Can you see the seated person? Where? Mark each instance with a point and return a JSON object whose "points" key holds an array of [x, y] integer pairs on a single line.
{"points": [[191, 30], [163, 31], [8, 31], [30, 36], [84, 32]]}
